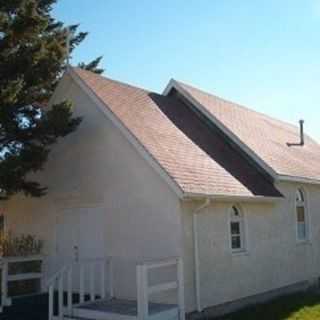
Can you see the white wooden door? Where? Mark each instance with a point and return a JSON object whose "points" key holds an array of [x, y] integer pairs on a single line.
{"points": [[80, 235]]}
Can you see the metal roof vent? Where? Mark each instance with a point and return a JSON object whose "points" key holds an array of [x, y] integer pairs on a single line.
{"points": [[301, 143]]}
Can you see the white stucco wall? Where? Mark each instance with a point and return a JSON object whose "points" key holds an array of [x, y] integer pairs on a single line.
{"points": [[273, 259], [98, 169]]}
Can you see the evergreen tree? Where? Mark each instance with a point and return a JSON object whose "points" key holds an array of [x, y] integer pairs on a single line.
{"points": [[33, 52], [92, 66]]}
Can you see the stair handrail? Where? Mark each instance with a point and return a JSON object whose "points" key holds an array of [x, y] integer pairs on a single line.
{"points": [[6, 278], [54, 277], [144, 290], [67, 271]]}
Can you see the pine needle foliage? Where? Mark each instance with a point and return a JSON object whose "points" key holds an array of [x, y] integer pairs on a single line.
{"points": [[33, 52]]}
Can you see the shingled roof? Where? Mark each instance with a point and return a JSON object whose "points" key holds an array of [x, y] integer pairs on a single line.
{"points": [[194, 168], [266, 137]]}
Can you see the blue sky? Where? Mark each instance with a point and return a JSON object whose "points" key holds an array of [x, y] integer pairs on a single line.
{"points": [[263, 54]]}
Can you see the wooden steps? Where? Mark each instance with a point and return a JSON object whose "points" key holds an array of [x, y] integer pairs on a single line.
{"points": [[89, 280]]}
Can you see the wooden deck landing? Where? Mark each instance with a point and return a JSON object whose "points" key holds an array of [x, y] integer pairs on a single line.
{"points": [[123, 309]]}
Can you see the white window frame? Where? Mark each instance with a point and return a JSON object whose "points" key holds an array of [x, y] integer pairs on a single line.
{"points": [[242, 227], [304, 204]]}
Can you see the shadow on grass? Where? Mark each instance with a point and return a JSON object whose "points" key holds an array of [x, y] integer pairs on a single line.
{"points": [[302, 306]]}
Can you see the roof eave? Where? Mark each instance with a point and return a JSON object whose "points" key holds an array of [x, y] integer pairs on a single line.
{"points": [[232, 198], [286, 178]]}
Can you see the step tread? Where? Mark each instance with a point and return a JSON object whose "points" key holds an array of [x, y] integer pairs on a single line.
{"points": [[74, 318], [123, 307]]}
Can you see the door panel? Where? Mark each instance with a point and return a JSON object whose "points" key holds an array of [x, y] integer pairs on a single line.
{"points": [[80, 233], [91, 234]]}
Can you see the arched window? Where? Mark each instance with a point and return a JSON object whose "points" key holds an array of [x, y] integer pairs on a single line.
{"points": [[237, 230], [301, 215]]}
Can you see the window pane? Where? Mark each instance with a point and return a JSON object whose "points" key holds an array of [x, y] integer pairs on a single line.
{"points": [[300, 214], [302, 234], [235, 228], [236, 242]]}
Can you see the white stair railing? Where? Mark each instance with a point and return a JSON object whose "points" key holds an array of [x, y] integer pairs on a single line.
{"points": [[144, 290], [6, 277], [90, 270]]}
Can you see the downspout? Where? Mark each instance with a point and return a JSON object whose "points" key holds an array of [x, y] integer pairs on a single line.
{"points": [[196, 253]]}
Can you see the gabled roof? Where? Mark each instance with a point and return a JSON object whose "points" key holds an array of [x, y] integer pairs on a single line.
{"points": [[265, 138], [145, 115]]}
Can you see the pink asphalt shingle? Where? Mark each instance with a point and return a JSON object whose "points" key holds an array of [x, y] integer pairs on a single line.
{"points": [[186, 163], [265, 136]]}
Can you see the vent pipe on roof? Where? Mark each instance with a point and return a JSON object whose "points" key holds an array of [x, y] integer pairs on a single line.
{"points": [[301, 122], [301, 143]]}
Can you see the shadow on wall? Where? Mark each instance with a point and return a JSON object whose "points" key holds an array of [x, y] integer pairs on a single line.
{"points": [[214, 143]]}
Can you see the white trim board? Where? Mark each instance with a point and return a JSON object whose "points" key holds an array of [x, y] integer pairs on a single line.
{"points": [[286, 178], [230, 198]]}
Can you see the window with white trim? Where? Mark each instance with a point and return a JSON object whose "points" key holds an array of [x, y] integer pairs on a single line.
{"points": [[237, 230], [301, 216]]}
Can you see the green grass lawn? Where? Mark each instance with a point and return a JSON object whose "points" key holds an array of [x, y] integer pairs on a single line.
{"points": [[304, 306]]}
